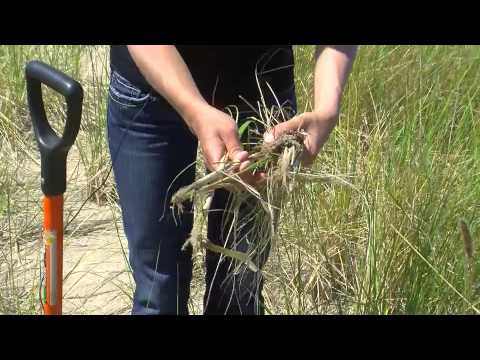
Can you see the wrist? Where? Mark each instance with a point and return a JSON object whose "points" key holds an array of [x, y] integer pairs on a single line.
{"points": [[191, 113], [325, 118], [328, 111]]}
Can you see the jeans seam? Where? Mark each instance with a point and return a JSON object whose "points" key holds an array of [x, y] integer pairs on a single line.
{"points": [[137, 101], [128, 105], [123, 81]]}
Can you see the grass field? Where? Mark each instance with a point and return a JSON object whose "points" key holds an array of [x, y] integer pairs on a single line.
{"points": [[397, 242]]}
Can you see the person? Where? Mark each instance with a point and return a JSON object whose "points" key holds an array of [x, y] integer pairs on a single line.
{"points": [[164, 100]]}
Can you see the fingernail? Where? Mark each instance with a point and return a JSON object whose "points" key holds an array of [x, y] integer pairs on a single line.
{"points": [[241, 155]]}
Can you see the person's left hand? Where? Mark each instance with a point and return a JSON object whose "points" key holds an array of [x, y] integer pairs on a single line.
{"points": [[317, 124]]}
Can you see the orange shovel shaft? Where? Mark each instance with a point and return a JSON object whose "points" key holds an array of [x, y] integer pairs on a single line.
{"points": [[53, 239]]}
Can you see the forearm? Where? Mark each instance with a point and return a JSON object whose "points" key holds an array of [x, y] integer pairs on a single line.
{"points": [[164, 69], [332, 68]]}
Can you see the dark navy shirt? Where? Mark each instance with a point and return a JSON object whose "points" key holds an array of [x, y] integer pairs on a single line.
{"points": [[230, 70]]}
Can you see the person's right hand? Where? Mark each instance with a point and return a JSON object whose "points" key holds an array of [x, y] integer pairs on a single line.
{"points": [[217, 134]]}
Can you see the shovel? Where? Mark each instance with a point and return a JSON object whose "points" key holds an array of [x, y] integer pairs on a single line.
{"points": [[53, 151]]}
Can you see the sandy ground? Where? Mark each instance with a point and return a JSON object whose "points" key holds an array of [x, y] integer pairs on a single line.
{"points": [[96, 271]]}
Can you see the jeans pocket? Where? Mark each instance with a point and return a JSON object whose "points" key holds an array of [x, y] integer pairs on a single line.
{"points": [[126, 94]]}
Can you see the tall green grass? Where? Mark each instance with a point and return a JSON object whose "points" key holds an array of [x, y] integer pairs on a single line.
{"points": [[409, 137], [408, 140]]}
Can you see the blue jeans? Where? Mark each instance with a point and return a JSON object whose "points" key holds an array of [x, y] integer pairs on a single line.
{"points": [[150, 145]]}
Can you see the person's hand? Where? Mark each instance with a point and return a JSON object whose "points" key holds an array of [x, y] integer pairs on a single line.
{"points": [[317, 124], [218, 135]]}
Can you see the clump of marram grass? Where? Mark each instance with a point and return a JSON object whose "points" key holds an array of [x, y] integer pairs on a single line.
{"points": [[280, 161]]}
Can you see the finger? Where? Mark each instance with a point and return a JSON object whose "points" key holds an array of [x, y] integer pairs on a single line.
{"points": [[260, 179], [214, 152], [268, 137], [307, 159], [282, 128], [248, 176], [309, 152], [312, 146], [254, 180], [234, 148], [240, 156], [244, 165]]}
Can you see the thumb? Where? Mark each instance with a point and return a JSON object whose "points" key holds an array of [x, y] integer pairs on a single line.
{"points": [[282, 128], [234, 148]]}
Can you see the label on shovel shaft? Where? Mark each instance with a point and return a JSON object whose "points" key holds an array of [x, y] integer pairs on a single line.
{"points": [[50, 240]]}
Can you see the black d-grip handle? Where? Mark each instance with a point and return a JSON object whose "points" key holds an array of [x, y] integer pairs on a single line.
{"points": [[53, 149]]}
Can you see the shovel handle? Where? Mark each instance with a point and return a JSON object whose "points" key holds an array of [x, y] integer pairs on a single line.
{"points": [[53, 149]]}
